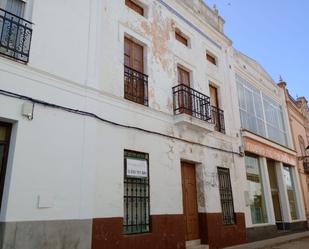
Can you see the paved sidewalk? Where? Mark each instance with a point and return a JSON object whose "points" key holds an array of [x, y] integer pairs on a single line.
{"points": [[299, 244], [300, 240]]}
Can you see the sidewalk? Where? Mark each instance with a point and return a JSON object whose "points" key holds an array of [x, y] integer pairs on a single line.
{"points": [[271, 242]]}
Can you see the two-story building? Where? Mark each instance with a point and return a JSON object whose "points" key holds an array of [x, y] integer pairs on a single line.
{"points": [[298, 112], [119, 128], [273, 199]]}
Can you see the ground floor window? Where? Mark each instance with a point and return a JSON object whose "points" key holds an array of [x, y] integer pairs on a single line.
{"points": [[290, 187], [136, 193], [226, 196], [255, 190], [5, 133]]}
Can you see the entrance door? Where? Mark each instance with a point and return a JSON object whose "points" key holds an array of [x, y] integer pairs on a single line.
{"points": [[5, 132], [190, 201], [271, 166]]}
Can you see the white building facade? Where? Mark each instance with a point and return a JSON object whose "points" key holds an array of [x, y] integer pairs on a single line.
{"points": [[108, 137], [273, 198]]}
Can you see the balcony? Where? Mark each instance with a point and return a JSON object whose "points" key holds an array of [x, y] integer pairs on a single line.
{"points": [[217, 116], [135, 86], [191, 103], [306, 164], [15, 36]]}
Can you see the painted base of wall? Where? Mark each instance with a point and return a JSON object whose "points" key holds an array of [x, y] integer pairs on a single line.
{"points": [[271, 231], [167, 232], [217, 235], [46, 234]]}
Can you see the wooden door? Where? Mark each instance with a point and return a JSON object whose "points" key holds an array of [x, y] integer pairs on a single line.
{"points": [[184, 96], [5, 133], [214, 96], [134, 60], [190, 201]]}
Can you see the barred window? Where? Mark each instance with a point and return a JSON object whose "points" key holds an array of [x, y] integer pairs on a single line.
{"points": [[226, 196], [136, 193]]}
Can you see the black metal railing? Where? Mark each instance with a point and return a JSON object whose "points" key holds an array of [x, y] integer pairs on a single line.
{"points": [[15, 36], [218, 119], [135, 86], [189, 101], [306, 164]]}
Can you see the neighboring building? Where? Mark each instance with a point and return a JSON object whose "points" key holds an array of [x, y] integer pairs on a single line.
{"points": [[108, 137], [273, 196], [298, 117]]}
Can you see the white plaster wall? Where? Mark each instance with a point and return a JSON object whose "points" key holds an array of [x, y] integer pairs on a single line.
{"points": [[77, 162]]}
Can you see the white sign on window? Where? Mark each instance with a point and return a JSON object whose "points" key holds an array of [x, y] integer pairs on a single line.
{"points": [[137, 168]]}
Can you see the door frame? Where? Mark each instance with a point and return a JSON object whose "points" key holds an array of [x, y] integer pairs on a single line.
{"points": [[193, 165], [3, 172]]}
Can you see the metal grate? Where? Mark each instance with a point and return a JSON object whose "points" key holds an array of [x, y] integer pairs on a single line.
{"points": [[189, 101], [15, 36], [218, 119], [135, 86], [136, 198], [226, 196]]}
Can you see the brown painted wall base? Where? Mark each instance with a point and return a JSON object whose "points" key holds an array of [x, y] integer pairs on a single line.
{"points": [[167, 233], [217, 235]]}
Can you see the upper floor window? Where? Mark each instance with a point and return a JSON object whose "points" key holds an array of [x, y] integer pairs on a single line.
{"points": [[259, 113], [15, 31], [216, 113], [134, 6], [135, 81], [211, 58], [181, 37]]}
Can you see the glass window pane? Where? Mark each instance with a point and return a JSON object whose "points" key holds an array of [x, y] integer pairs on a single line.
{"points": [[289, 182], [255, 190]]}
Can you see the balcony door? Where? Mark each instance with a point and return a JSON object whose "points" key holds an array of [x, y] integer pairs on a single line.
{"points": [[185, 95], [5, 133], [16, 7], [134, 85], [214, 100]]}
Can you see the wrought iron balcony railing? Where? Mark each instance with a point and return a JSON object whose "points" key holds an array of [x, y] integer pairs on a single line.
{"points": [[306, 164], [189, 101], [218, 119], [135, 86], [15, 36]]}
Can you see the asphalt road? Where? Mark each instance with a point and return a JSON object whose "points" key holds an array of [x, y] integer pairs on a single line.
{"points": [[299, 244]]}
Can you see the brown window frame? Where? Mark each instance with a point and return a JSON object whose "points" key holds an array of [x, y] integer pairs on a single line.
{"points": [[135, 7], [211, 58], [179, 36]]}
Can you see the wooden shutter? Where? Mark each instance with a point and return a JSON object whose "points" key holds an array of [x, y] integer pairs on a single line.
{"points": [[214, 96], [133, 55], [211, 58], [183, 76], [134, 6], [181, 38]]}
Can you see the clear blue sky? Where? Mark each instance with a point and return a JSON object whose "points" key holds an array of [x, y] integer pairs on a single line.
{"points": [[273, 32]]}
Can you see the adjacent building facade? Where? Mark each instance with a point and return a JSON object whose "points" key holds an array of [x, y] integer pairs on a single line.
{"points": [[298, 118], [274, 202], [124, 126]]}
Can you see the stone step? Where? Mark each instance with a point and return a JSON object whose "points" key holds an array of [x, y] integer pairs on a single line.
{"points": [[198, 247]]}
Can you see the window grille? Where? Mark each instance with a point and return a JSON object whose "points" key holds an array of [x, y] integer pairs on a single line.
{"points": [[226, 196], [136, 197]]}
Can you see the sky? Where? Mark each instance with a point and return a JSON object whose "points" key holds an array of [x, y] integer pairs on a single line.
{"points": [[273, 32]]}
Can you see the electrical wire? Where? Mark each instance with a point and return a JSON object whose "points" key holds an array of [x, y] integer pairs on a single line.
{"points": [[92, 115]]}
